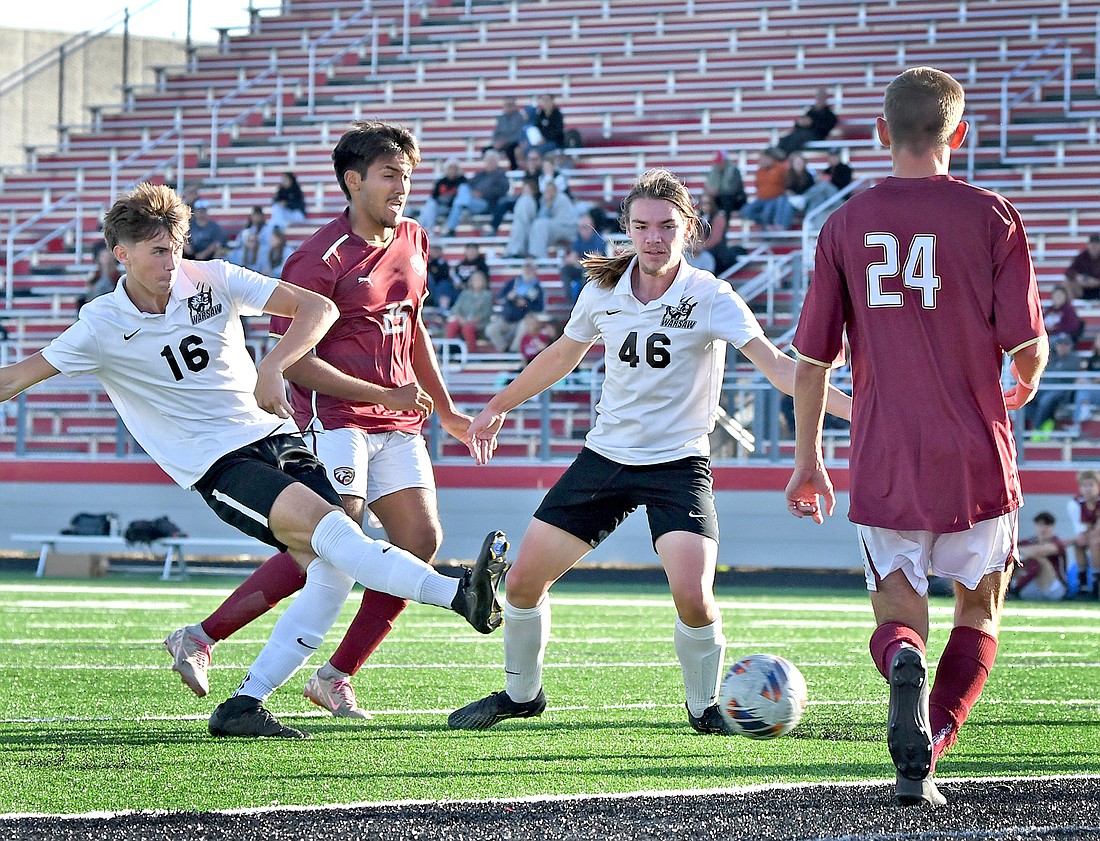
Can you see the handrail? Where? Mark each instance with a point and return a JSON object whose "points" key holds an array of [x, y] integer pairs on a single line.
{"points": [[313, 69], [216, 128], [812, 223], [1036, 84], [173, 133], [11, 255]]}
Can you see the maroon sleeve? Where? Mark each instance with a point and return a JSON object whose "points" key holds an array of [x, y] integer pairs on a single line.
{"points": [[309, 272], [820, 334], [1017, 310]]}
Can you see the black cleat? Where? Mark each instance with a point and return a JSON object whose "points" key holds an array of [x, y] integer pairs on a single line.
{"points": [[483, 714], [710, 722], [917, 792], [245, 716], [476, 599], [909, 735]]}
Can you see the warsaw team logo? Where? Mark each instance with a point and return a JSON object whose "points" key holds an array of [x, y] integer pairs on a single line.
{"points": [[680, 315], [201, 305], [344, 475]]}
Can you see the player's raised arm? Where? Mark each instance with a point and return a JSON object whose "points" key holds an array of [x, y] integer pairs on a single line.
{"points": [[780, 371], [312, 315], [17, 378]]}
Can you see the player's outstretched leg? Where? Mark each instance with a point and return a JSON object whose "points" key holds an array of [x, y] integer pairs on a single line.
{"points": [[483, 714], [909, 735], [331, 690], [476, 599], [190, 652], [243, 715]]}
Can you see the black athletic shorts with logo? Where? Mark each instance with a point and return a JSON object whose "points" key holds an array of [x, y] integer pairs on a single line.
{"points": [[242, 485], [595, 495]]}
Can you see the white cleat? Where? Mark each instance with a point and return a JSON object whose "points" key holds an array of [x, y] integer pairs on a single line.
{"points": [[191, 656], [335, 695]]}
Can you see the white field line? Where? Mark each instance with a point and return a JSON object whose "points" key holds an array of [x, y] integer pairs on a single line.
{"points": [[557, 798]]}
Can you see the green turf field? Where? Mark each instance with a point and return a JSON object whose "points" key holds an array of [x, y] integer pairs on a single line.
{"points": [[92, 718]]}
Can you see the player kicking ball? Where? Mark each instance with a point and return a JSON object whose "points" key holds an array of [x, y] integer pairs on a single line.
{"points": [[168, 346], [665, 327], [931, 280]]}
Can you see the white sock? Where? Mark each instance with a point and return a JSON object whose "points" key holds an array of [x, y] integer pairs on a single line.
{"points": [[378, 565], [300, 630], [526, 633], [701, 651]]}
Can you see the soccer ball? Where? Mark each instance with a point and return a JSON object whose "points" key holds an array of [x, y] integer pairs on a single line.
{"points": [[762, 696]]}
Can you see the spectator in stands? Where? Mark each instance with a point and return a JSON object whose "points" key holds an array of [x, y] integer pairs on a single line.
{"points": [[532, 171], [724, 184], [522, 295], [247, 251], [207, 237], [588, 239], [840, 173], [190, 193], [799, 180], [1042, 576], [822, 190], [572, 274], [472, 261], [1084, 515], [1089, 398], [443, 195], [257, 221], [1083, 274], [288, 207], [815, 124], [472, 310], [508, 131], [1055, 392], [442, 289], [715, 227], [480, 194], [549, 170], [770, 208], [532, 336], [1061, 316], [539, 223], [545, 128], [275, 255], [103, 277]]}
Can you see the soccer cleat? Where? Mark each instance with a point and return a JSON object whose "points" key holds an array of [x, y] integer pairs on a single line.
{"points": [[335, 695], [191, 658], [710, 722], [476, 599], [909, 735], [483, 714], [917, 792], [242, 715]]}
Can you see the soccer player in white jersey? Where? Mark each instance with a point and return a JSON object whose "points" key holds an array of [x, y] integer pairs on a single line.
{"points": [[664, 326], [168, 346]]}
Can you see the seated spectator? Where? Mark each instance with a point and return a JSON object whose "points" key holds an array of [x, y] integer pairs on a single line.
{"points": [[1088, 399], [471, 312], [815, 124], [770, 208], [443, 195], [532, 171], [822, 190], [103, 278], [190, 193], [207, 237], [799, 180], [472, 261], [521, 295], [550, 171], [724, 184], [545, 128], [257, 221], [572, 274], [533, 335], [588, 239], [713, 237], [247, 251], [840, 174], [1061, 316], [539, 223], [442, 289], [288, 207], [1053, 391], [1042, 576], [508, 131], [480, 194], [1083, 274], [275, 255], [1083, 572]]}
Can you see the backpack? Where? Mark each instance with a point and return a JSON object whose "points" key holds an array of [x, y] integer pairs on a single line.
{"points": [[91, 525], [146, 531]]}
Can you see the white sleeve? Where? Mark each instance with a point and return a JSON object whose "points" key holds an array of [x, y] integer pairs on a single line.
{"points": [[731, 319], [75, 351], [581, 327], [1073, 508], [251, 290]]}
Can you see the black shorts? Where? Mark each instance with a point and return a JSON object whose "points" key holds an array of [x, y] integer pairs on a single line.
{"points": [[242, 485], [595, 495]]}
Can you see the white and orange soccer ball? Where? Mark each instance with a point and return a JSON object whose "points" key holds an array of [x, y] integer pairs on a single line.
{"points": [[762, 696]]}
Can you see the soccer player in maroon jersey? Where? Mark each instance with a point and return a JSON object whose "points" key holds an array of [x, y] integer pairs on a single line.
{"points": [[361, 399], [932, 281]]}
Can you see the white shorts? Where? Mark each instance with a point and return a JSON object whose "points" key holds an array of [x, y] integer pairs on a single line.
{"points": [[963, 556], [1033, 593], [372, 465]]}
